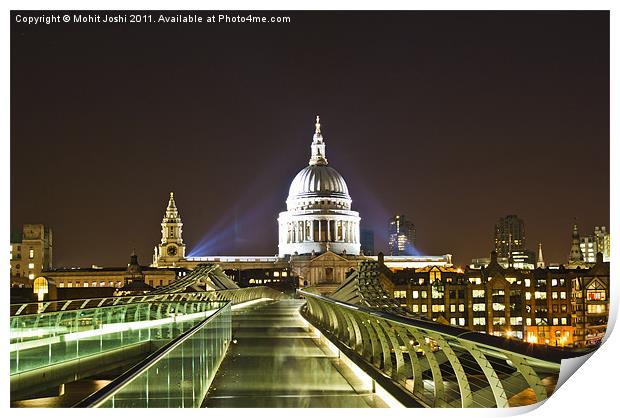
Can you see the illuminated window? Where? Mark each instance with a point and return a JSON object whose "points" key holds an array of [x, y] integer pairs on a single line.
{"points": [[475, 280], [31, 276], [563, 321], [439, 308], [595, 295], [554, 295], [555, 321], [499, 320], [452, 308], [424, 294], [480, 321], [112, 283], [30, 265], [118, 284], [415, 308], [540, 295], [462, 322], [596, 309], [499, 307], [527, 282], [424, 308], [479, 307], [284, 273], [400, 294], [276, 274], [528, 295], [461, 307], [101, 284], [528, 321], [415, 294], [554, 282], [31, 253], [421, 280], [94, 284], [563, 308], [61, 284], [511, 280], [516, 320], [562, 295], [477, 293], [452, 321], [85, 284], [70, 284]]}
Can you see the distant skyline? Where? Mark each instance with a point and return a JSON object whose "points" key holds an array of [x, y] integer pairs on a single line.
{"points": [[454, 119]]}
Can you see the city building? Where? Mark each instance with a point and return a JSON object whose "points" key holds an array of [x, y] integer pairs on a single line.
{"points": [[111, 277], [509, 236], [553, 306], [590, 245], [590, 303], [520, 259], [401, 236], [31, 253], [367, 241]]}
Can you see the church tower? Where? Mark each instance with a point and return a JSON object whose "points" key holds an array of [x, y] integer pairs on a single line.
{"points": [[575, 251], [171, 249], [540, 261]]}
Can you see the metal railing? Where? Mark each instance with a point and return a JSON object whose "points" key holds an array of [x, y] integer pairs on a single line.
{"points": [[234, 295], [440, 365]]}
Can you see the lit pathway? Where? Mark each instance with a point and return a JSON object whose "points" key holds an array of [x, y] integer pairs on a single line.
{"points": [[276, 363]]}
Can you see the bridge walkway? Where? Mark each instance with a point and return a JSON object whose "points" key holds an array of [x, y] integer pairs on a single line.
{"points": [[276, 362]]}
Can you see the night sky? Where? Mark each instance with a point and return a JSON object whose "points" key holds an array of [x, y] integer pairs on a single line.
{"points": [[452, 118]]}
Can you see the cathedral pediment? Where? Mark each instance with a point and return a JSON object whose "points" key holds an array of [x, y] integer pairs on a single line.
{"points": [[329, 256]]}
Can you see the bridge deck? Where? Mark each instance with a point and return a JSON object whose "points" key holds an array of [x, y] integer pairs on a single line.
{"points": [[277, 363]]}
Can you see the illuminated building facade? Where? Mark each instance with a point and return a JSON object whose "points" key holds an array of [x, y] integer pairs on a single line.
{"points": [[31, 253], [592, 244], [560, 306], [318, 216], [171, 249], [590, 303], [110, 278], [401, 236]]}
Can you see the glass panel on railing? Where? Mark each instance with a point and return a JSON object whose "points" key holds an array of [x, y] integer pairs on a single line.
{"points": [[49, 338], [181, 377]]}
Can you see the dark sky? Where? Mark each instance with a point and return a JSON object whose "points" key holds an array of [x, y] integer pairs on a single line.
{"points": [[452, 118]]}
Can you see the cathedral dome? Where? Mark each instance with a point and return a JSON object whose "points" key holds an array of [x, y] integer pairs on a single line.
{"points": [[318, 181], [318, 218]]}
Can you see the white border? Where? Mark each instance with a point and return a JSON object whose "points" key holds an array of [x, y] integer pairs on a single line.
{"points": [[592, 390]]}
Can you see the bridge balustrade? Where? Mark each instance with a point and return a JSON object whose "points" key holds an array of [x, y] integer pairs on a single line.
{"points": [[438, 365], [176, 376]]}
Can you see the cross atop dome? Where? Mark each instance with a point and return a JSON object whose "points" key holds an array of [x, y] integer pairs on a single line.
{"points": [[318, 146]]}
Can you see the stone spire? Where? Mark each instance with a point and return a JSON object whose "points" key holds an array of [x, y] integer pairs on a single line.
{"points": [[318, 146], [171, 224], [540, 262], [575, 251], [171, 210]]}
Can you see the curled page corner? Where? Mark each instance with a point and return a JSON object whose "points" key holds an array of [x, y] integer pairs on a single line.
{"points": [[569, 366]]}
